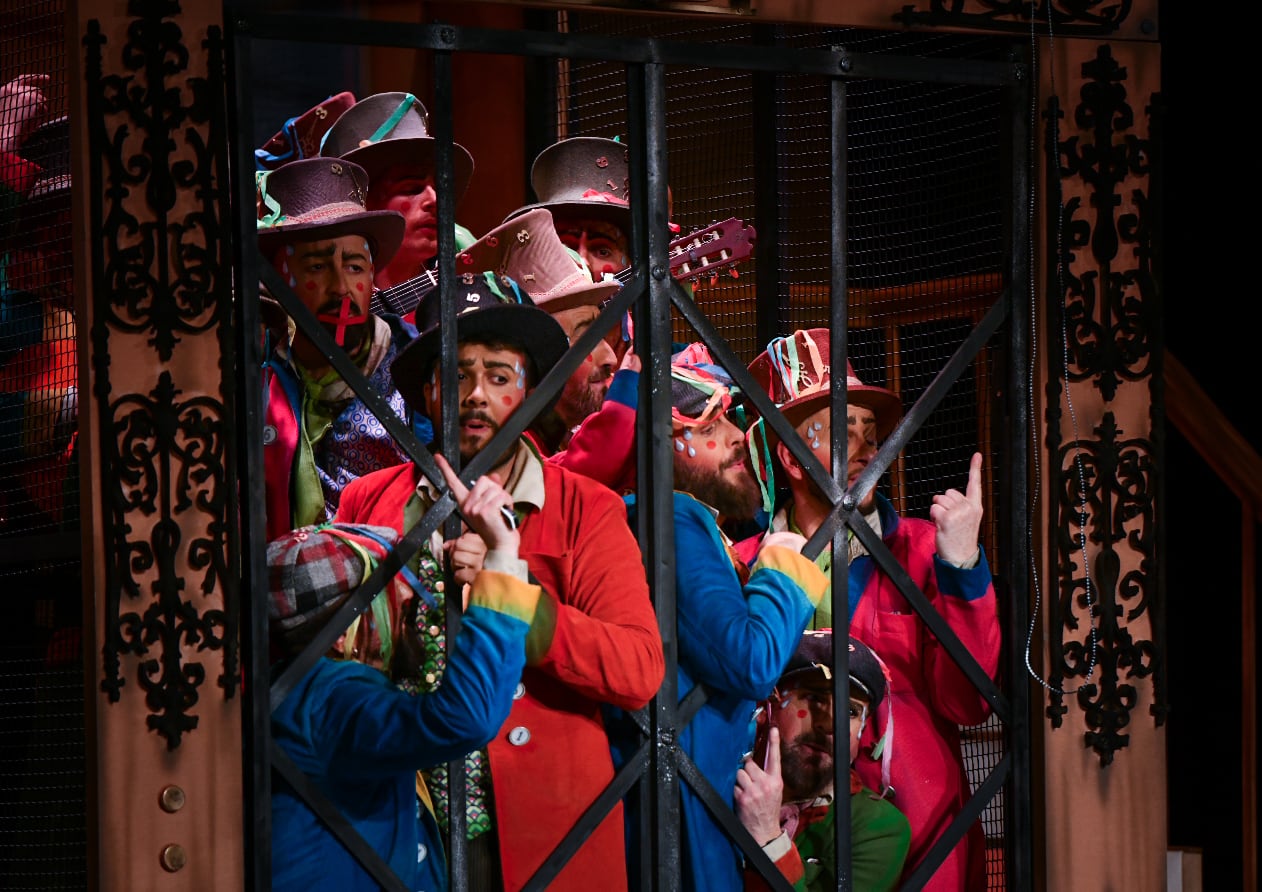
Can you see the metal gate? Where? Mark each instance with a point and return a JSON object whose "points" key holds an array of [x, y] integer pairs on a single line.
{"points": [[888, 177]]}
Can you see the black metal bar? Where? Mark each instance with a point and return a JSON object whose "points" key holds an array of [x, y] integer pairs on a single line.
{"points": [[646, 116], [337, 823], [767, 192], [312, 26], [959, 826], [249, 502], [719, 810], [839, 450], [1014, 496], [589, 820]]}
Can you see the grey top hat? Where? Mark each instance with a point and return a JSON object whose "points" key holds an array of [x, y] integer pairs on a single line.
{"points": [[528, 250], [323, 198], [586, 175], [388, 128]]}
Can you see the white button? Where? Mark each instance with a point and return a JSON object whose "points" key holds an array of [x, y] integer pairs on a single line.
{"points": [[520, 691], [519, 736]]}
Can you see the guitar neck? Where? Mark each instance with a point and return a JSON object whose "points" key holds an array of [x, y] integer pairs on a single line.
{"points": [[402, 299]]}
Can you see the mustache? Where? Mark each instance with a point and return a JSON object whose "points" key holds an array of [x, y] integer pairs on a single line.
{"points": [[820, 741], [477, 415]]}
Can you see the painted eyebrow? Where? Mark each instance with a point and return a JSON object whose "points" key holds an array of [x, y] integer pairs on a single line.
{"points": [[320, 253], [490, 364]]}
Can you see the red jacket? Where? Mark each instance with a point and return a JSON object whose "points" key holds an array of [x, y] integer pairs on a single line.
{"points": [[551, 759]]}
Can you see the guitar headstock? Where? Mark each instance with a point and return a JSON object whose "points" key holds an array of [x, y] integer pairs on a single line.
{"points": [[703, 253]]}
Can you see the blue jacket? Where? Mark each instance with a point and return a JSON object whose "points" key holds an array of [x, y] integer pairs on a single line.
{"points": [[362, 740], [736, 640]]}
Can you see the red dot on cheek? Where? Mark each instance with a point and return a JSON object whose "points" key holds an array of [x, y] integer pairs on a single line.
{"points": [[506, 400], [710, 444], [801, 713], [359, 286], [310, 286]]}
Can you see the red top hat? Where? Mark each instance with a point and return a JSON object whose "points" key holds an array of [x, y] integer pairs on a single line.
{"points": [[385, 129], [794, 373], [301, 135], [323, 198]]}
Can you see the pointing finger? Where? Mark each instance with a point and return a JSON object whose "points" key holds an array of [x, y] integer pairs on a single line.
{"points": [[458, 489], [974, 491]]}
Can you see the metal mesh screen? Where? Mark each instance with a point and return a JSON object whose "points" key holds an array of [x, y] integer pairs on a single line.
{"points": [[925, 228], [42, 751]]}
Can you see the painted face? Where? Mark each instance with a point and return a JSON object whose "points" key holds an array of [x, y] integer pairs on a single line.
{"points": [[804, 715], [333, 279], [601, 244], [712, 463], [585, 390], [408, 189], [816, 430], [492, 385]]}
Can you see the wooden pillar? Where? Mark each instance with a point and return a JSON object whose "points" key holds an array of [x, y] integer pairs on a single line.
{"points": [[160, 560], [1102, 818]]}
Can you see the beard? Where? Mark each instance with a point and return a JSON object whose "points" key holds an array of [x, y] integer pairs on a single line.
{"points": [[576, 405], [807, 771], [469, 447], [734, 500]]}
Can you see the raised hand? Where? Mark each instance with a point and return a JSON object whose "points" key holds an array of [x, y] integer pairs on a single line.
{"points": [[759, 792], [22, 103], [958, 517], [467, 552], [486, 508]]}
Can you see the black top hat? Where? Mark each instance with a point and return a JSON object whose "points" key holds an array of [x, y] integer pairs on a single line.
{"points": [[48, 147], [488, 305], [815, 654], [586, 175], [388, 128], [323, 198]]}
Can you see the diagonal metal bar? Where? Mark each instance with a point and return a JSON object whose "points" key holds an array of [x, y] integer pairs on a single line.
{"points": [[735, 830], [336, 821], [589, 820], [959, 827]]}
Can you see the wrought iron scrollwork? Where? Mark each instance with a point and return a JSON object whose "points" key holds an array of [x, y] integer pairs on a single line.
{"points": [[1105, 488], [161, 275]]}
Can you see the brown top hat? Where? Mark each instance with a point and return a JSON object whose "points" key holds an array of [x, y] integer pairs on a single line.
{"points": [[388, 128], [528, 250], [586, 175], [322, 198], [301, 135], [794, 372], [488, 306]]}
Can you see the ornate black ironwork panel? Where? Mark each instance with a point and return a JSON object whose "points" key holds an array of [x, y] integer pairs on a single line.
{"points": [[1105, 488], [161, 276], [1069, 18]]}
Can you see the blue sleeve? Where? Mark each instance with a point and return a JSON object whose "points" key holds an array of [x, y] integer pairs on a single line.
{"points": [[391, 730], [968, 584], [734, 639]]}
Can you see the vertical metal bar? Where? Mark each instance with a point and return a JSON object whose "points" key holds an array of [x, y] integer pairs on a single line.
{"points": [[767, 191], [839, 449], [444, 183], [646, 116], [1014, 498], [251, 546]]}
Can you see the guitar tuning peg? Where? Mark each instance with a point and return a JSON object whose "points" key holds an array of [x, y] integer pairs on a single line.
{"points": [[736, 274], [714, 278]]}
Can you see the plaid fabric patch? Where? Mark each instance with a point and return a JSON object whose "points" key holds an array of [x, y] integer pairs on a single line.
{"points": [[312, 569]]}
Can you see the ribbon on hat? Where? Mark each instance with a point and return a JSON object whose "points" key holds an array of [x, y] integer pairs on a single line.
{"points": [[273, 217], [787, 363], [596, 195], [387, 126], [718, 400]]}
